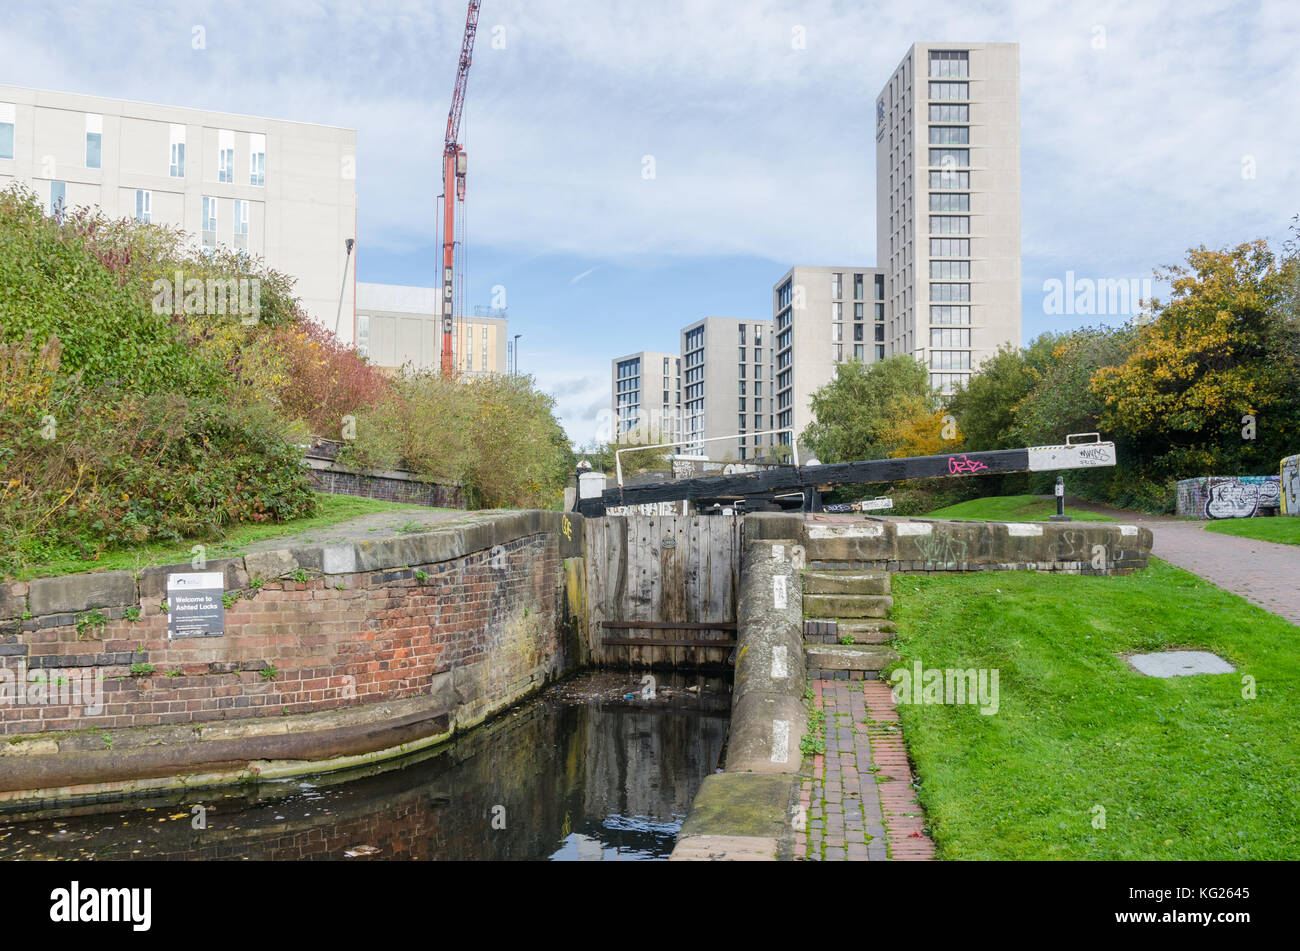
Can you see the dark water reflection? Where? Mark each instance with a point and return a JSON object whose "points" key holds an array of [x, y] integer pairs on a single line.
{"points": [[579, 773]]}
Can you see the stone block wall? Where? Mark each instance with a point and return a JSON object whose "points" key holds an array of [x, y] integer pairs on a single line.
{"points": [[1229, 496]]}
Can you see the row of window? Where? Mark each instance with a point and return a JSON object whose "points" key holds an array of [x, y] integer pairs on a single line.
{"points": [[94, 124]]}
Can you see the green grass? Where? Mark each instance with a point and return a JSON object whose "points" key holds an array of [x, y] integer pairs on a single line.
{"points": [[1186, 768], [1284, 529], [332, 509], [1011, 508]]}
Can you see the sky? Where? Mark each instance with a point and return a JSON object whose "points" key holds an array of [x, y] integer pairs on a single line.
{"points": [[1147, 128]]}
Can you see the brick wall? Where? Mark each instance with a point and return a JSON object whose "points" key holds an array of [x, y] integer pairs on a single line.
{"points": [[473, 611]]}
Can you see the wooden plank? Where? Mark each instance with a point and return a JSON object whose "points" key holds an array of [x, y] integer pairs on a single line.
{"points": [[670, 625], [656, 642]]}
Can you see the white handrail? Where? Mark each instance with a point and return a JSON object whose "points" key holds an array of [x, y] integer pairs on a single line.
{"points": [[618, 463]]}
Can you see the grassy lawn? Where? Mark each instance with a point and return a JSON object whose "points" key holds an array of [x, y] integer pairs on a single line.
{"points": [[1284, 529], [333, 509], [1011, 508], [1186, 768]]}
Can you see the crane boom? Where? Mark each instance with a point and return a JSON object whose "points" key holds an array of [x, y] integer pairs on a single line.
{"points": [[453, 183]]}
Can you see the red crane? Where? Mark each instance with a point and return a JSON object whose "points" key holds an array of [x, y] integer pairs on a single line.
{"points": [[453, 181]]}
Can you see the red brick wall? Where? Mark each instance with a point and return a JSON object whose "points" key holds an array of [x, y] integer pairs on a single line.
{"points": [[333, 641]]}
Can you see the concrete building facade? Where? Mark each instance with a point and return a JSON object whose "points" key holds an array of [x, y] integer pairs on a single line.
{"points": [[728, 387], [948, 205], [823, 316], [647, 397], [400, 326], [284, 191]]}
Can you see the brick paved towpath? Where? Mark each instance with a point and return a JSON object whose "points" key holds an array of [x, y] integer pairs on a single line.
{"points": [[1264, 573], [859, 800]]}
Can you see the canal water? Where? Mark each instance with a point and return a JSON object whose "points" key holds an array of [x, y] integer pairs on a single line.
{"points": [[581, 772]]}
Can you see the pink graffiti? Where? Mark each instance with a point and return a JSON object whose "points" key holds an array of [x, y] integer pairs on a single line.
{"points": [[959, 464]]}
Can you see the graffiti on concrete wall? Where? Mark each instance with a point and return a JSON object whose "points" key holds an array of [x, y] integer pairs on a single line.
{"points": [[1290, 485], [1228, 496]]}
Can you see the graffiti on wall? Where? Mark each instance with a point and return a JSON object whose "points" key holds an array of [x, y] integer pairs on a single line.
{"points": [[1290, 485], [1228, 496]]}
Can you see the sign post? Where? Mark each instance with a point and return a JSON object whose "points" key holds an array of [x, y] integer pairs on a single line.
{"points": [[194, 605]]}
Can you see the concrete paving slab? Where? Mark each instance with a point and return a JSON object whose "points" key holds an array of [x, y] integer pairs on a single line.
{"points": [[1179, 663]]}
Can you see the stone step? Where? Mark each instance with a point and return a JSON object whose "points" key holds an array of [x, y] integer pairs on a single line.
{"points": [[846, 582], [847, 605], [852, 657]]}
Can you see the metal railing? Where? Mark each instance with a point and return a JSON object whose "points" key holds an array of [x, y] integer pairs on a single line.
{"points": [[618, 463]]}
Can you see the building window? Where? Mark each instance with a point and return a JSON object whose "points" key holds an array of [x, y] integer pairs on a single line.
{"points": [[837, 286], [8, 118], [949, 201], [857, 287], [949, 91], [857, 331], [58, 197], [742, 404], [241, 224], [257, 159], [143, 206], [880, 312], [950, 359], [742, 354], [225, 156], [950, 247], [880, 351], [949, 224], [857, 352], [837, 332], [880, 287], [741, 371], [837, 352], [950, 270], [949, 292], [949, 135], [945, 64], [209, 222], [950, 337], [94, 140], [363, 335], [950, 178], [950, 158], [483, 351], [784, 295], [949, 315], [177, 135], [880, 333], [943, 112]]}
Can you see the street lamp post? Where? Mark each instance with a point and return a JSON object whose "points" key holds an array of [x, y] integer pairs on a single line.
{"points": [[517, 336]]}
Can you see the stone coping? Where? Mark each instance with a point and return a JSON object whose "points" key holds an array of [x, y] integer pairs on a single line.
{"points": [[447, 541]]}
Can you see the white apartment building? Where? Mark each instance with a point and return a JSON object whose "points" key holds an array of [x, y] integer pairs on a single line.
{"points": [[823, 316], [948, 205], [647, 397], [281, 190], [400, 326], [728, 387]]}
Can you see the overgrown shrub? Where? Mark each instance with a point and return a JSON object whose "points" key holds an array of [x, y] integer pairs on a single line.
{"points": [[90, 469], [496, 436]]}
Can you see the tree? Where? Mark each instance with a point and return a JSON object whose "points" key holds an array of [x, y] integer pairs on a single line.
{"points": [[1221, 351], [871, 412], [985, 407]]}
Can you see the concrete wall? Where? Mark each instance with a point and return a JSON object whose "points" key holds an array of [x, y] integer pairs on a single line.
{"points": [[1229, 496], [378, 647], [298, 219], [1290, 485], [399, 325]]}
